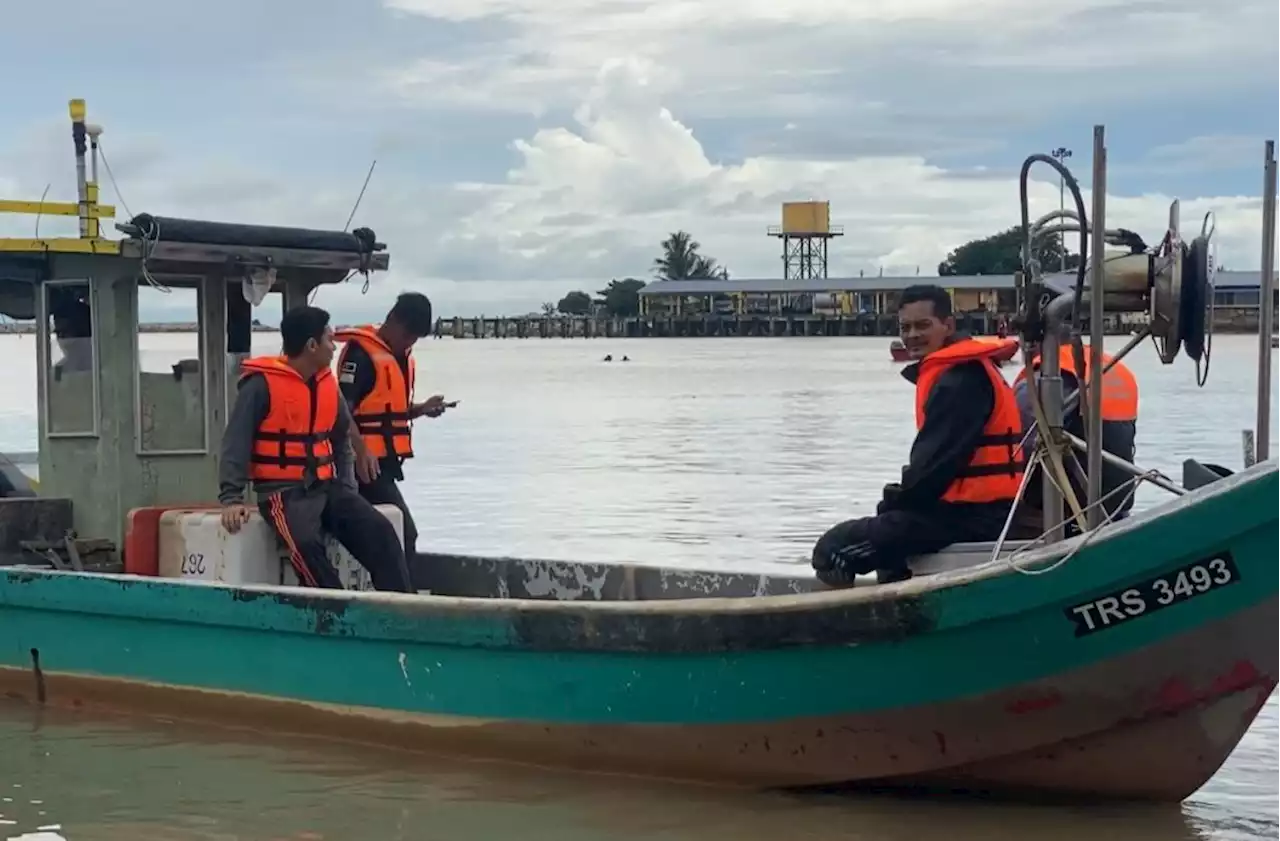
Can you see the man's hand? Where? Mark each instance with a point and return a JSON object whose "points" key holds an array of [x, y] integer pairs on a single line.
{"points": [[234, 516], [366, 462], [432, 407], [889, 498]]}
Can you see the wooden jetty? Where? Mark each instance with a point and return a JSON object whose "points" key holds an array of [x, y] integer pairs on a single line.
{"points": [[710, 324]]}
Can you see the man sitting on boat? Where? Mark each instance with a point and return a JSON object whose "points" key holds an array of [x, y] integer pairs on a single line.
{"points": [[965, 464], [289, 434], [1119, 434]]}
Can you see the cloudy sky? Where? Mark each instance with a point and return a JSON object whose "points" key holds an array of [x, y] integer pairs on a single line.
{"points": [[530, 147]]}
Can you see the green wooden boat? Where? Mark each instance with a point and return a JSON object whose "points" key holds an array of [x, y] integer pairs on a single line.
{"points": [[1127, 662]]}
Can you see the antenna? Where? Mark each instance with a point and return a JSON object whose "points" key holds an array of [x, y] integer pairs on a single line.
{"points": [[360, 197]]}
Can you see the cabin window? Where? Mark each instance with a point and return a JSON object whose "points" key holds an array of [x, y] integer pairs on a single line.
{"points": [[69, 353], [264, 334], [170, 348]]}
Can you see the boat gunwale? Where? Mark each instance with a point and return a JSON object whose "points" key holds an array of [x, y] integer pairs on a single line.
{"points": [[702, 624]]}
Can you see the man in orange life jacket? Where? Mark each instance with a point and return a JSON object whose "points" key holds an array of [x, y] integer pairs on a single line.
{"points": [[965, 464], [1119, 433], [288, 433], [376, 373]]}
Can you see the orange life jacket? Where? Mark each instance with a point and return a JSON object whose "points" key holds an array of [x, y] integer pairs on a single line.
{"points": [[292, 442], [382, 417], [995, 470], [1119, 386]]}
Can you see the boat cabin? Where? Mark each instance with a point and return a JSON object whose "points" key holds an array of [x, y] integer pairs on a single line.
{"points": [[114, 434]]}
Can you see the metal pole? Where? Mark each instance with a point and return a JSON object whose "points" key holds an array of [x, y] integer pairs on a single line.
{"points": [[1051, 399], [1266, 292], [1060, 155], [1097, 283], [77, 111], [1062, 235], [1131, 469]]}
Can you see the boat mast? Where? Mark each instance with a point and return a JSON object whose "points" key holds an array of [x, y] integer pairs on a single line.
{"points": [[1051, 399], [78, 135], [1266, 293], [1097, 314]]}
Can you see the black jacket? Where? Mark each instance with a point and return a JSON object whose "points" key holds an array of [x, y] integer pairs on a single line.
{"points": [[1118, 438], [955, 413], [357, 377]]}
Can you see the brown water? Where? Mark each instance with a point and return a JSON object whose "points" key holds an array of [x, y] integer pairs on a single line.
{"points": [[710, 453]]}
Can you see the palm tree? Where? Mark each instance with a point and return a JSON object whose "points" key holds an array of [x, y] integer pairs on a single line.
{"points": [[707, 267], [681, 260]]}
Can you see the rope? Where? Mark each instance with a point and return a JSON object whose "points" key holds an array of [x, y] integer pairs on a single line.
{"points": [[1129, 488], [149, 242]]}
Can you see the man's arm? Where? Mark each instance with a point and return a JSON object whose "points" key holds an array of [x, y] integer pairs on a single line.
{"points": [[356, 376], [955, 413], [1026, 411], [253, 401], [343, 452]]}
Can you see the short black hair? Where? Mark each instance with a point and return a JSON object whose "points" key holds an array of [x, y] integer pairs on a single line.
{"points": [[412, 311], [299, 326], [932, 293]]}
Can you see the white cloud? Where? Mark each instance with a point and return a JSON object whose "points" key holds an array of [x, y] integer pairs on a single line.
{"points": [[745, 56], [589, 199], [629, 172]]}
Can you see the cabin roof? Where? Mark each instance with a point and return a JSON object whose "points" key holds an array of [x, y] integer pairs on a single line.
{"points": [[191, 246]]}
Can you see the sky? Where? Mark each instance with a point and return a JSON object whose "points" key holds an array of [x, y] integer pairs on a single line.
{"points": [[526, 148]]}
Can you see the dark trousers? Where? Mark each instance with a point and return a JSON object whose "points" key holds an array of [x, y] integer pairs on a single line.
{"points": [[301, 515], [883, 543], [385, 490]]}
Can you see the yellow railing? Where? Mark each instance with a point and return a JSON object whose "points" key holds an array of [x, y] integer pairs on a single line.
{"points": [[87, 209]]}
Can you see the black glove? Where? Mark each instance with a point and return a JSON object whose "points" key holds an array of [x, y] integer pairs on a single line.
{"points": [[889, 499]]}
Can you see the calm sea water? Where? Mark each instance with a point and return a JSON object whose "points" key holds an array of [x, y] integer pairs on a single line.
{"points": [[708, 453]]}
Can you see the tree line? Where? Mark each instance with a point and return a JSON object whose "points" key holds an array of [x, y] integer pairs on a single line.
{"points": [[1002, 254], [680, 258]]}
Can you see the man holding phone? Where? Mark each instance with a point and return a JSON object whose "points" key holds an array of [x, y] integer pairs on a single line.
{"points": [[376, 373]]}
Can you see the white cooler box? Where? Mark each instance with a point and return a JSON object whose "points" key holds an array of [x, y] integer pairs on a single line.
{"points": [[193, 544]]}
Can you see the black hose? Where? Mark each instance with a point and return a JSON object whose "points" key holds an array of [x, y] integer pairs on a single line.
{"points": [[1070, 182], [1077, 300]]}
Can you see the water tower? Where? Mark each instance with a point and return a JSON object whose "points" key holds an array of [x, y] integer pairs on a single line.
{"points": [[805, 231]]}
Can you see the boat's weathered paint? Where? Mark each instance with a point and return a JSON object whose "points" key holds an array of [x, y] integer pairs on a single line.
{"points": [[814, 687]]}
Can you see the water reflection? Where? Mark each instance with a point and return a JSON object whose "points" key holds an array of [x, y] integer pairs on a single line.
{"points": [[101, 780]]}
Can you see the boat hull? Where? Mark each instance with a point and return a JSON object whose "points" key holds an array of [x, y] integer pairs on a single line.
{"points": [[1119, 729], [983, 678]]}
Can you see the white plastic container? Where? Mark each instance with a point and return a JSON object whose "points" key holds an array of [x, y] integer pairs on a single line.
{"points": [[194, 545]]}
